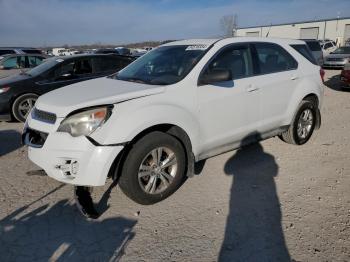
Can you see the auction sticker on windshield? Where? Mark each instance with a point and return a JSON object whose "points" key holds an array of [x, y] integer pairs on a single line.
{"points": [[196, 47]]}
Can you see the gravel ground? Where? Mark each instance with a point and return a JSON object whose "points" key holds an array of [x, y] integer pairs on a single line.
{"points": [[266, 202]]}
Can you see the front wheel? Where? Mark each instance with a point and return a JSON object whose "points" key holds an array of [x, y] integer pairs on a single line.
{"points": [[22, 106], [303, 124], [153, 169]]}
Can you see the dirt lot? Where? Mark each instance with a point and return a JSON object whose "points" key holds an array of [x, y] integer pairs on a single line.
{"points": [[266, 202]]}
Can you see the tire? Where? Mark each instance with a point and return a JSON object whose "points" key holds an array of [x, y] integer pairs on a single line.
{"points": [[152, 183], [22, 106], [292, 136]]}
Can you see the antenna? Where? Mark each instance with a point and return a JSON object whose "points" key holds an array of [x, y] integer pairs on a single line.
{"points": [[268, 32]]}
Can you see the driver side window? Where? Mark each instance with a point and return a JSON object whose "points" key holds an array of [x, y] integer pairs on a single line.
{"points": [[236, 59]]}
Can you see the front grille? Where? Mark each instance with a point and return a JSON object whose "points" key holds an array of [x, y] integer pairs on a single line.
{"points": [[34, 138], [44, 116], [335, 59]]}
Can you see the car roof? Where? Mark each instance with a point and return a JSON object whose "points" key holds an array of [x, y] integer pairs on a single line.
{"points": [[310, 40], [87, 55], [12, 48], [15, 55], [237, 39]]}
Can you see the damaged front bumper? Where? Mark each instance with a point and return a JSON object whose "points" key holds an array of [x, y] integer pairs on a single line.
{"points": [[71, 160]]}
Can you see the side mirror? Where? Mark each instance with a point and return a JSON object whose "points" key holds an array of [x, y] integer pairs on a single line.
{"points": [[215, 76]]}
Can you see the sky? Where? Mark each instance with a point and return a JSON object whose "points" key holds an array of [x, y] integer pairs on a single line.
{"points": [[74, 22]]}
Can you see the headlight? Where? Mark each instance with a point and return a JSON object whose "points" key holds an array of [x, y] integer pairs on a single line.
{"points": [[4, 89], [86, 122]]}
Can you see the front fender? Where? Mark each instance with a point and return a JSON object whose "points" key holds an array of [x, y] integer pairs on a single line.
{"points": [[131, 118]]}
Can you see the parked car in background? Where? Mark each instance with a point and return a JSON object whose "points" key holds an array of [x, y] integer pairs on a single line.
{"points": [[345, 75], [18, 93], [328, 46], [123, 50], [315, 47], [347, 42], [106, 51], [12, 64], [182, 102], [338, 58], [19, 50]]}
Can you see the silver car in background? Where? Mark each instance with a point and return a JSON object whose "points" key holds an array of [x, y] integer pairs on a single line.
{"points": [[338, 58]]}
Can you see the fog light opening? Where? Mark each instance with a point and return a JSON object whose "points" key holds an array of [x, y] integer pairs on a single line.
{"points": [[69, 168]]}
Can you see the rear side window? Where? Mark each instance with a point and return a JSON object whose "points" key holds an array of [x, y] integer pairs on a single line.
{"points": [[82, 67], [305, 52], [34, 60], [273, 58]]}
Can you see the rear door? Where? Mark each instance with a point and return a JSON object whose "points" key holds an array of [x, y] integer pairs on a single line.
{"points": [[277, 78]]}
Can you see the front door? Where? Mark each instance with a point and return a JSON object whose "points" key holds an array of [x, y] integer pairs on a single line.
{"points": [[229, 111]]}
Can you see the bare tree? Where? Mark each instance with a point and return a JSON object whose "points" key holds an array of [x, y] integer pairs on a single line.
{"points": [[228, 24]]}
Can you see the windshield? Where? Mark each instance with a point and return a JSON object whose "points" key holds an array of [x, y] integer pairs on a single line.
{"points": [[44, 66], [342, 50], [164, 65]]}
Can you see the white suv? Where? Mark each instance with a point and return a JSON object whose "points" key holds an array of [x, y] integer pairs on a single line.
{"points": [[182, 102]]}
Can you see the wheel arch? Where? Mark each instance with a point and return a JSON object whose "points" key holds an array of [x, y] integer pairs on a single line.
{"points": [[307, 89], [15, 97], [314, 99], [171, 129]]}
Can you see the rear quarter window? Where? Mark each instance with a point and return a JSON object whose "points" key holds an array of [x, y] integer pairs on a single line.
{"points": [[313, 45], [305, 52]]}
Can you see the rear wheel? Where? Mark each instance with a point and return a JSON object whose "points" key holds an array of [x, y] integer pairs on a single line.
{"points": [[153, 169], [303, 124], [22, 106]]}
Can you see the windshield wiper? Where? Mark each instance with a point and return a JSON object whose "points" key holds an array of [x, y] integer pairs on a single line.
{"points": [[133, 79]]}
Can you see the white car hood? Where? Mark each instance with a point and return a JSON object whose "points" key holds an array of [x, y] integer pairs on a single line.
{"points": [[94, 92]]}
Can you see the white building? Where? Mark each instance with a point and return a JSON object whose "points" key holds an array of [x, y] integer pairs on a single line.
{"points": [[337, 29]]}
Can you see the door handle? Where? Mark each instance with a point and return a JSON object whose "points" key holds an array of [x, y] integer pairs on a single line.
{"points": [[252, 88], [294, 78]]}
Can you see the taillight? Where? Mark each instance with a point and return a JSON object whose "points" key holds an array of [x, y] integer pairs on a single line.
{"points": [[322, 73]]}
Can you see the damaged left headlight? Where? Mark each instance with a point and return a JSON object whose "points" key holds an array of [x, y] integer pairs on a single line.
{"points": [[85, 122]]}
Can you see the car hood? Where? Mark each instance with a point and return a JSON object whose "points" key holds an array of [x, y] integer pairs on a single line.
{"points": [[100, 91]]}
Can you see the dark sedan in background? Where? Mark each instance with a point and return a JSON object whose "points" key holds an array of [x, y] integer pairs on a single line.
{"points": [[18, 93], [338, 58]]}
